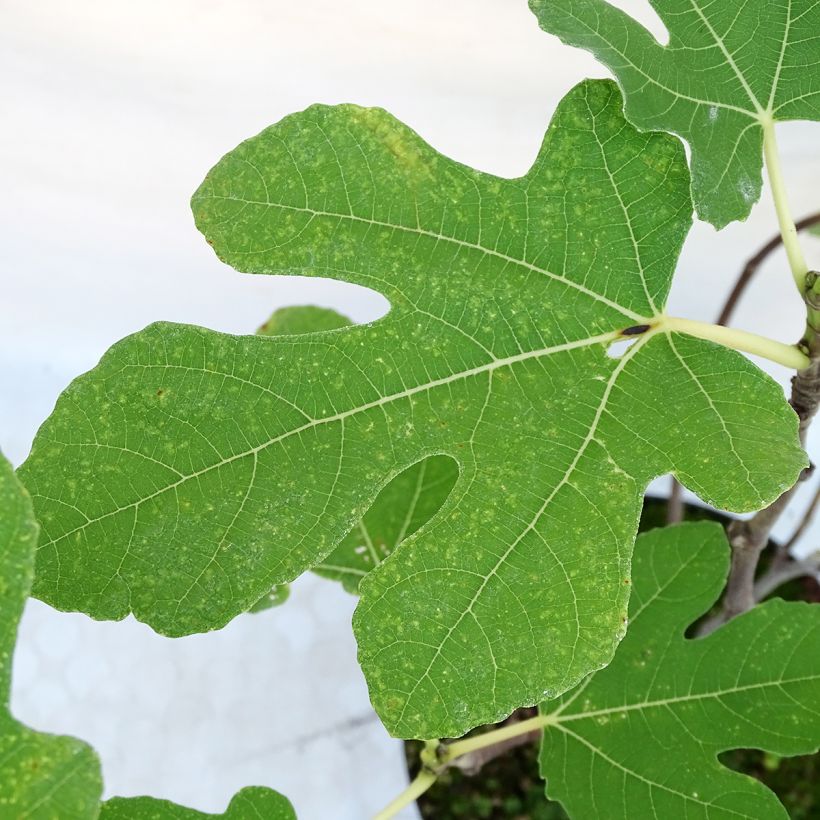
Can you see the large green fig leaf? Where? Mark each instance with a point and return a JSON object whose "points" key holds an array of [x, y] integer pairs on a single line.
{"points": [[640, 739], [192, 470], [730, 70], [42, 777], [252, 803], [284, 321], [410, 500]]}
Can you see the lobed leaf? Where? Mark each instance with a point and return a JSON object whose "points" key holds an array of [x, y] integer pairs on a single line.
{"points": [[191, 470], [408, 502], [729, 69], [42, 776], [641, 737], [284, 321]]}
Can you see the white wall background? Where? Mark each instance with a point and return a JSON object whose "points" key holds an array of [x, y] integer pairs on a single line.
{"points": [[112, 113]]}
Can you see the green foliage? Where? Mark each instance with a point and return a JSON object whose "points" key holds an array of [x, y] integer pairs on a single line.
{"points": [[192, 470], [252, 803], [45, 777], [473, 464], [410, 500], [508, 786], [795, 780], [728, 70], [302, 319], [275, 596], [283, 322], [642, 736], [42, 777]]}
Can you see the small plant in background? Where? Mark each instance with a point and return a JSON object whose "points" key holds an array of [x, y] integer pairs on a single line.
{"points": [[473, 465]]}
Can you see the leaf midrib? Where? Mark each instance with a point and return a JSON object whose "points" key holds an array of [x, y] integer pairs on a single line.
{"points": [[631, 314], [604, 338], [654, 81], [758, 108], [651, 783], [468, 610], [757, 112], [661, 702]]}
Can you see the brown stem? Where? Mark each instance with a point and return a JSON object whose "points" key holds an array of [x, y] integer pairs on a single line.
{"points": [[781, 572], [784, 550], [748, 538], [472, 762], [741, 284], [674, 506], [752, 266]]}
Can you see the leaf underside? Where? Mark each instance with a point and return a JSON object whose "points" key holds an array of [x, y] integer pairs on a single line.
{"points": [[191, 470], [728, 67], [640, 739]]}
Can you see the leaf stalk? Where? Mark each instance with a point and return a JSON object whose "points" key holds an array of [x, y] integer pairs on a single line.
{"points": [[446, 755], [787, 355], [451, 751], [788, 230], [749, 538], [423, 780]]}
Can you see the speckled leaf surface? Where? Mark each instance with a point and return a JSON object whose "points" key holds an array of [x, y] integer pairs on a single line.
{"points": [[408, 502], [277, 595], [729, 67], [192, 470], [252, 803], [282, 322], [42, 777], [640, 739], [290, 321]]}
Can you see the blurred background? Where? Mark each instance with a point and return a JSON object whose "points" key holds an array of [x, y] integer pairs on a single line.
{"points": [[113, 113]]}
